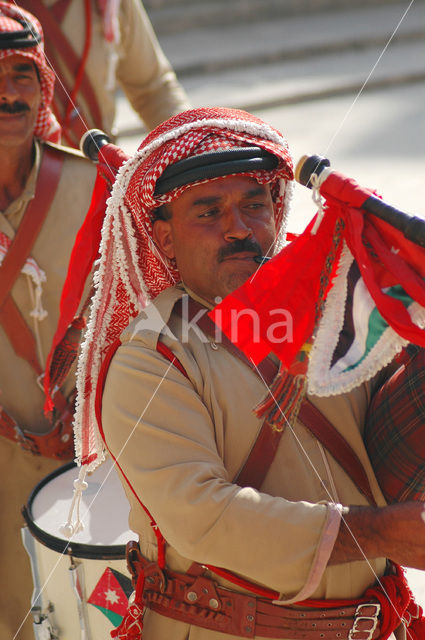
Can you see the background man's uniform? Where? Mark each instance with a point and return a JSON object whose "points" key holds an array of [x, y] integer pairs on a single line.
{"points": [[21, 396], [123, 51]]}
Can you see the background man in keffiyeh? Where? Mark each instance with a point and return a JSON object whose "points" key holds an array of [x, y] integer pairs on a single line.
{"points": [[52, 185], [206, 193], [95, 46]]}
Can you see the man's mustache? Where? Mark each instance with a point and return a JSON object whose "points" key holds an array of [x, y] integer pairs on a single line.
{"points": [[15, 107], [239, 246]]}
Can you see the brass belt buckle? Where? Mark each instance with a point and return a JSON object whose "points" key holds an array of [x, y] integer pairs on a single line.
{"points": [[358, 617]]}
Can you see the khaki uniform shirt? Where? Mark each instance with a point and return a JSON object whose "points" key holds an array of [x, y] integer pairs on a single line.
{"points": [[136, 63], [21, 395], [180, 443]]}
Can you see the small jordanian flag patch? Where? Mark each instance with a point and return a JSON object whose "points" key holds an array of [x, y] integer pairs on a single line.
{"points": [[111, 595]]}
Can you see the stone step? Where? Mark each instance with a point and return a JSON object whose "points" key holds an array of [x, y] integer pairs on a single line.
{"points": [[295, 59], [236, 46], [264, 86], [174, 16]]}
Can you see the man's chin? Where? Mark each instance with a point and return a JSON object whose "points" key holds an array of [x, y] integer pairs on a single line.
{"points": [[236, 280]]}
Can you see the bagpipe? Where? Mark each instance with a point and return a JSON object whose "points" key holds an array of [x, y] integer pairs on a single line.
{"points": [[354, 279]]}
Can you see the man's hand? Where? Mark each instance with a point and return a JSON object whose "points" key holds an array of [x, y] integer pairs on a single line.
{"points": [[396, 532]]}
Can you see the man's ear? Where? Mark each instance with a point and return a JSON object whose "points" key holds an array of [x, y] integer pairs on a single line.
{"points": [[163, 237]]}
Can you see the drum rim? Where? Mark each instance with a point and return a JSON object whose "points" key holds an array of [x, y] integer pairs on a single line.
{"points": [[75, 549]]}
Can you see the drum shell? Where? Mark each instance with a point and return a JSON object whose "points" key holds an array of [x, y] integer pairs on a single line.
{"points": [[394, 433], [57, 563], [54, 572]]}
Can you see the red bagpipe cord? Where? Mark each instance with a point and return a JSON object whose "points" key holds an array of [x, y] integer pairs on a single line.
{"points": [[131, 626], [397, 606], [85, 251]]}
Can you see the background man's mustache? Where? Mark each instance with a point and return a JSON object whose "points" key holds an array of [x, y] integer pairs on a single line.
{"points": [[239, 246], [15, 107]]}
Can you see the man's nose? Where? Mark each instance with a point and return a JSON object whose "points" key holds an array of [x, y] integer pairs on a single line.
{"points": [[236, 227], [7, 89]]}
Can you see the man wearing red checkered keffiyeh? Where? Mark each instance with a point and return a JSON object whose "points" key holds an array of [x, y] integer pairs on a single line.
{"points": [[28, 31], [132, 270], [233, 526]]}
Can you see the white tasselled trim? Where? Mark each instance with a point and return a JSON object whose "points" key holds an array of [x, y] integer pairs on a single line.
{"points": [[288, 194], [331, 323], [98, 282], [70, 528], [321, 381]]}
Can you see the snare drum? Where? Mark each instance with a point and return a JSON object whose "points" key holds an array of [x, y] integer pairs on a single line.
{"points": [[81, 587]]}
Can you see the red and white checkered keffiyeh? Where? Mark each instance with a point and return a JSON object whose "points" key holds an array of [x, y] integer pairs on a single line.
{"points": [[131, 270], [47, 127]]}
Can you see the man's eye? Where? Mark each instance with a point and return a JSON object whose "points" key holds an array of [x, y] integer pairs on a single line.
{"points": [[209, 213]]}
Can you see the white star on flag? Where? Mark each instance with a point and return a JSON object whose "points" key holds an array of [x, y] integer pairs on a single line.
{"points": [[112, 596]]}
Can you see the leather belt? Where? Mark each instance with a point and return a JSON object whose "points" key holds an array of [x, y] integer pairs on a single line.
{"points": [[198, 600], [58, 443]]}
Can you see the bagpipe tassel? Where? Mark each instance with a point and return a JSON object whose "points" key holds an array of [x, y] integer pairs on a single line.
{"points": [[131, 626], [283, 400]]}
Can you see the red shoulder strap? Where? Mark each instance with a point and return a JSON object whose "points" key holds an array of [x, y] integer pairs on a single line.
{"points": [[17, 330], [33, 219], [337, 445], [263, 451], [265, 446]]}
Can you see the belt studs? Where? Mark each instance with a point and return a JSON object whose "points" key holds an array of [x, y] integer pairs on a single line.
{"points": [[192, 596]]}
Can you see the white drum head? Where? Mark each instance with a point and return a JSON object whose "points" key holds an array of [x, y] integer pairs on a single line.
{"points": [[104, 512]]}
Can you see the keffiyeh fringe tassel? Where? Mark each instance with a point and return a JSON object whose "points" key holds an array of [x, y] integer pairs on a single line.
{"points": [[283, 400]]}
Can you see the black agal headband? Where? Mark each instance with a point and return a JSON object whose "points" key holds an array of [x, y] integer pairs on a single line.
{"points": [[215, 164], [23, 39]]}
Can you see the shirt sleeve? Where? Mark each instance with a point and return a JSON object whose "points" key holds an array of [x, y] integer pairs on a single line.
{"points": [[143, 71], [158, 425]]}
